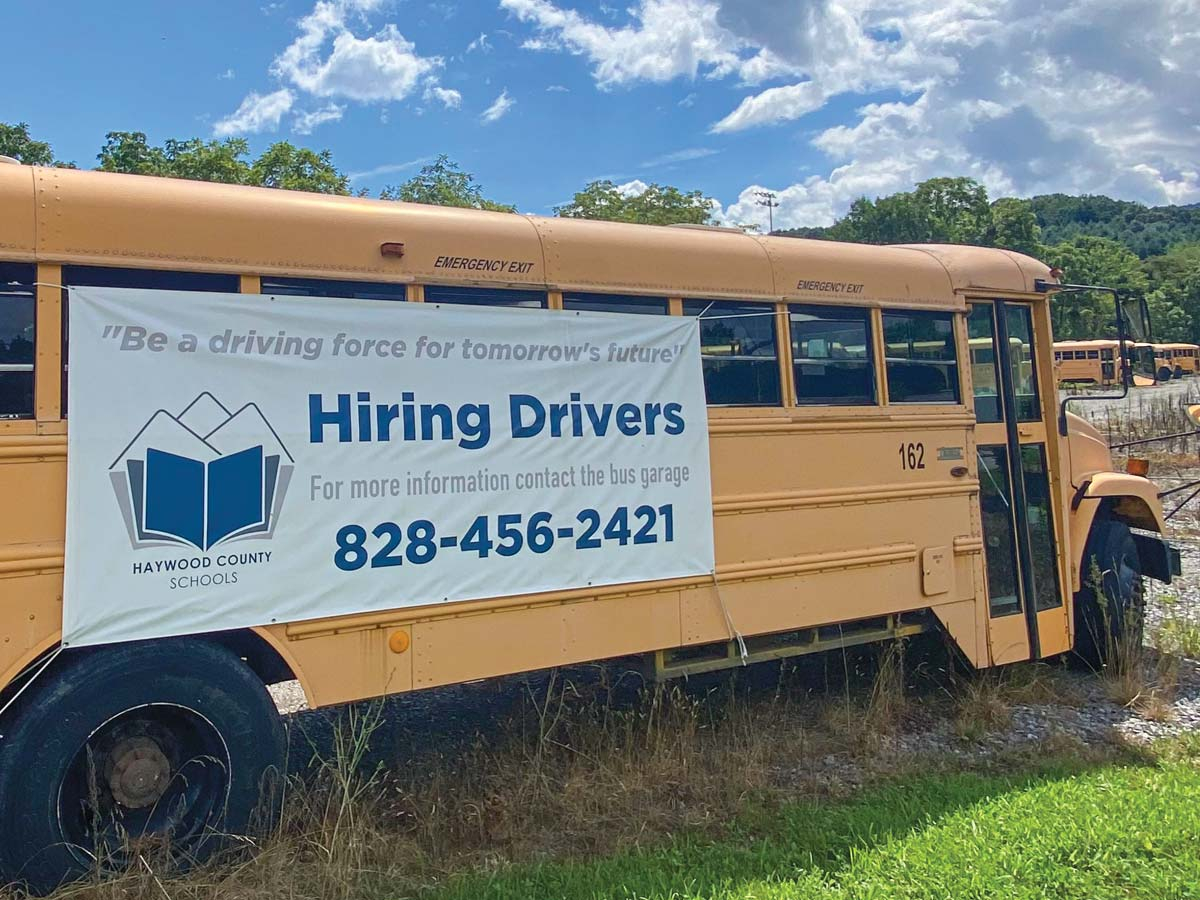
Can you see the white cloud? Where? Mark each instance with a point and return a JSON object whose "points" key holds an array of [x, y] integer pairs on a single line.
{"points": [[558, 89], [227, 75], [634, 188], [669, 39], [688, 101], [391, 168], [679, 156], [257, 112], [499, 108], [448, 97], [481, 43], [305, 122], [328, 60], [1024, 96]]}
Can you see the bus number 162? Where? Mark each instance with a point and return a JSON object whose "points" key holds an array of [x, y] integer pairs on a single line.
{"points": [[912, 456]]}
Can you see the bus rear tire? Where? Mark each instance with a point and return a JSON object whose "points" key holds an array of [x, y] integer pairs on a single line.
{"points": [[1179, 371], [155, 747], [1110, 604], [1164, 374]]}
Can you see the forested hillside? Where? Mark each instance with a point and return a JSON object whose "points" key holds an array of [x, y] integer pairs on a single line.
{"points": [[1148, 251]]}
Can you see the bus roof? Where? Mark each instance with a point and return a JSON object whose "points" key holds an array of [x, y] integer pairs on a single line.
{"points": [[1085, 345], [1176, 346], [52, 215]]}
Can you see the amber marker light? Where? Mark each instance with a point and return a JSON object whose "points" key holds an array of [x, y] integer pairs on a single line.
{"points": [[1135, 465], [392, 249], [399, 641]]}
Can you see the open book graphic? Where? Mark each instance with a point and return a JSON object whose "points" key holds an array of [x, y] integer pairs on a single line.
{"points": [[202, 477]]}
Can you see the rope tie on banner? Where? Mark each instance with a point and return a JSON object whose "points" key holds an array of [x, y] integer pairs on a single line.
{"points": [[32, 678], [734, 634]]}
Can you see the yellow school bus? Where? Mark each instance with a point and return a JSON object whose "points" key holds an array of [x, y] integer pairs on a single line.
{"points": [[1088, 362], [872, 469], [1174, 360]]}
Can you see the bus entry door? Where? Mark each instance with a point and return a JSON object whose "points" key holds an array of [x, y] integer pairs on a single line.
{"points": [[1026, 616]]}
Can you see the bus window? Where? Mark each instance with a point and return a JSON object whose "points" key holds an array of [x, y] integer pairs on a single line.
{"points": [[737, 348], [1024, 373], [616, 303], [922, 362], [1041, 526], [472, 296], [1000, 554], [831, 351], [1106, 355], [1093, 354], [146, 279], [320, 287], [984, 374], [17, 307]]}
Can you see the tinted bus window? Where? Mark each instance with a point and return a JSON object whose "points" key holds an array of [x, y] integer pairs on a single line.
{"points": [[470, 296], [922, 361], [831, 352], [985, 373], [737, 347], [319, 287], [617, 303], [17, 311]]}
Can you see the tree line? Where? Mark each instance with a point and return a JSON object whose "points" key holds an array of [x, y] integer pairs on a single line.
{"points": [[1151, 252], [284, 165], [1142, 251]]}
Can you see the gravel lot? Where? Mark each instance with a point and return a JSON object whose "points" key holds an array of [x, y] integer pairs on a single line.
{"points": [[441, 720]]}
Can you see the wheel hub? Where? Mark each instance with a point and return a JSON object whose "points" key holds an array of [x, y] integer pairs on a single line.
{"points": [[139, 774]]}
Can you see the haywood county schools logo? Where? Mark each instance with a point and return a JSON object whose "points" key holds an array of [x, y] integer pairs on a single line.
{"points": [[204, 477]]}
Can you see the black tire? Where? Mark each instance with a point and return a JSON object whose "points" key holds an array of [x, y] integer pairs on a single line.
{"points": [[1179, 371], [163, 743], [1110, 604], [1164, 373]]}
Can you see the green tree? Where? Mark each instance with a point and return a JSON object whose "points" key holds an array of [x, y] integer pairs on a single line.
{"points": [[443, 183], [1174, 296], [1015, 227], [1100, 261], [16, 142], [196, 160], [656, 205], [937, 211], [284, 165], [130, 152]]}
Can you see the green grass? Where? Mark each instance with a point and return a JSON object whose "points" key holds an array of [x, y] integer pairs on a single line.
{"points": [[1127, 830]]}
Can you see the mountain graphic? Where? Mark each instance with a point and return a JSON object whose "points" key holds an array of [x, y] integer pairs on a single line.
{"points": [[202, 477]]}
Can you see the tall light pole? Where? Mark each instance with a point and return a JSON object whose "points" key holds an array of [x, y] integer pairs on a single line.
{"points": [[768, 199]]}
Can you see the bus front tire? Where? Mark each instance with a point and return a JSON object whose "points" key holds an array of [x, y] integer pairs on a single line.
{"points": [[1164, 373], [126, 751], [1110, 604]]}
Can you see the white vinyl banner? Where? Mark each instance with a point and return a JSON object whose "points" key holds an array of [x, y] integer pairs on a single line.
{"points": [[237, 460]]}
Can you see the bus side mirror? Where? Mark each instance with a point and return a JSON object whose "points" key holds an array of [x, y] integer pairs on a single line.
{"points": [[1137, 314]]}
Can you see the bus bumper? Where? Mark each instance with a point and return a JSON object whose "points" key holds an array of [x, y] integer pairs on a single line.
{"points": [[1159, 559]]}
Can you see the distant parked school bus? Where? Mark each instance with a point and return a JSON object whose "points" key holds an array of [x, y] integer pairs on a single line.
{"points": [[877, 470], [1089, 362], [1176, 360]]}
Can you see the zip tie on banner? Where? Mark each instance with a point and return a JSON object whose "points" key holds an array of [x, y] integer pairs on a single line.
{"points": [[32, 678], [734, 634]]}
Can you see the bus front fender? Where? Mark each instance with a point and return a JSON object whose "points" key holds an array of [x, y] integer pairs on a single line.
{"points": [[1131, 499]]}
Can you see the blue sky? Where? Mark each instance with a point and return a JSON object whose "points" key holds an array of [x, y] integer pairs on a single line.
{"points": [[818, 100]]}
